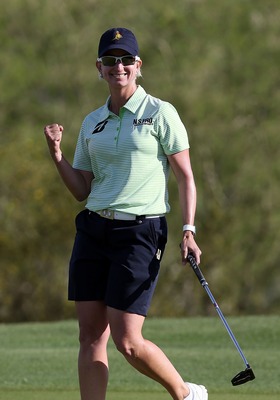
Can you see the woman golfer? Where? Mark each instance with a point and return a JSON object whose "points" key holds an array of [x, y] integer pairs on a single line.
{"points": [[121, 165]]}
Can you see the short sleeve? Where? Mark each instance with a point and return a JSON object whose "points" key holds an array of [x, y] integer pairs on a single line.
{"points": [[81, 157], [171, 130]]}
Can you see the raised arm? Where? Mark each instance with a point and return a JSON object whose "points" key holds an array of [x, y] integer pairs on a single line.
{"points": [[78, 182], [181, 166]]}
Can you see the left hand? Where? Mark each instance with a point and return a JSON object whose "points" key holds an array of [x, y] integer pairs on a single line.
{"points": [[188, 245]]}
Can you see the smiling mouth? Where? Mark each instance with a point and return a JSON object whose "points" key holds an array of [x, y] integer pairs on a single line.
{"points": [[119, 75]]}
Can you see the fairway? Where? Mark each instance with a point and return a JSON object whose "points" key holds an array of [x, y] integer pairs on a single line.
{"points": [[74, 395], [38, 360]]}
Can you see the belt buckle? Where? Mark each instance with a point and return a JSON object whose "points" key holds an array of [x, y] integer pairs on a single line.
{"points": [[107, 214]]}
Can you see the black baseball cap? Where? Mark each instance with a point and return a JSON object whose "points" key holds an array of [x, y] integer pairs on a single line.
{"points": [[118, 38]]}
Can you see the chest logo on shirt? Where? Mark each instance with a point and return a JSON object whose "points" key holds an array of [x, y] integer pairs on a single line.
{"points": [[100, 126], [143, 121]]}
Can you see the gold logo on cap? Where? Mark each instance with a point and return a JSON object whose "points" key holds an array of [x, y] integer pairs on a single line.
{"points": [[118, 36]]}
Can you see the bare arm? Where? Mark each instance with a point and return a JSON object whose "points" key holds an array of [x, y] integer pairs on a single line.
{"points": [[181, 166], [78, 182]]}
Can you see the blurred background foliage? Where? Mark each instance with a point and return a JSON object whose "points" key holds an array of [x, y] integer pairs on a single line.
{"points": [[218, 63]]}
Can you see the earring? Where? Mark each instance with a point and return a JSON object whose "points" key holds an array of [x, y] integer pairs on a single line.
{"points": [[100, 75]]}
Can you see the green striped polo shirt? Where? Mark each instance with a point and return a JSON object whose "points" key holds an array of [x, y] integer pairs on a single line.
{"points": [[127, 154]]}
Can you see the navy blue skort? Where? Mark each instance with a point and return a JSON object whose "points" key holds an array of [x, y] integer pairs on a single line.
{"points": [[115, 261]]}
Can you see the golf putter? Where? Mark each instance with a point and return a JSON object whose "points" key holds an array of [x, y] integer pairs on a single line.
{"points": [[247, 374]]}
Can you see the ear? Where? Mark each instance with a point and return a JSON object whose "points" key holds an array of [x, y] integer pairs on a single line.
{"points": [[139, 62], [138, 71], [98, 65]]}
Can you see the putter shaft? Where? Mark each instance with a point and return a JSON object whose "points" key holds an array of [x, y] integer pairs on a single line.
{"points": [[248, 374]]}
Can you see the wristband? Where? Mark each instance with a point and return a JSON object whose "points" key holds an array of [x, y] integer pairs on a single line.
{"points": [[191, 228]]}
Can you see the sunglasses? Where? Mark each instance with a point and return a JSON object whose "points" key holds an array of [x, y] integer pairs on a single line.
{"points": [[110, 61]]}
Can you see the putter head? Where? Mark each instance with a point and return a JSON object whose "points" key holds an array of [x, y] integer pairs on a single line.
{"points": [[243, 377]]}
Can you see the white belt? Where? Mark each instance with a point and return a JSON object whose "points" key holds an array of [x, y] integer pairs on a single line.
{"points": [[111, 214]]}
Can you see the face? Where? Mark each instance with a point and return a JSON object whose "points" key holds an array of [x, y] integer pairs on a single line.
{"points": [[119, 75]]}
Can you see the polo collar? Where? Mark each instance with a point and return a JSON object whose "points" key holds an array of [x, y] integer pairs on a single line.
{"points": [[135, 100], [131, 105]]}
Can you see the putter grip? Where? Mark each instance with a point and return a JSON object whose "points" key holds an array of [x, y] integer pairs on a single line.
{"points": [[196, 268]]}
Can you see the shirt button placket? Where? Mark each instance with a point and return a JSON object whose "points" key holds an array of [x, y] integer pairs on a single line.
{"points": [[118, 132]]}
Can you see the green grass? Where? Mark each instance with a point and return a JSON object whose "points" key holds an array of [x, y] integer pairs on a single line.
{"points": [[38, 360]]}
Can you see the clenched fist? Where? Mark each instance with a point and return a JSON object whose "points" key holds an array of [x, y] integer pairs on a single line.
{"points": [[53, 135]]}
